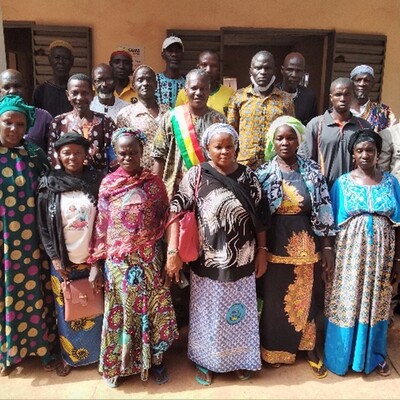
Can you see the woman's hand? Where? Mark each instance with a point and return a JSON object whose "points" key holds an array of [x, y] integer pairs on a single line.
{"points": [[261, 262], [58, 267], [96, 279], [328, 263], [174, 265]]}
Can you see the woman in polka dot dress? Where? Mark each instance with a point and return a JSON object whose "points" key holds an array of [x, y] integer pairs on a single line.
{"points": [[27, 323]]}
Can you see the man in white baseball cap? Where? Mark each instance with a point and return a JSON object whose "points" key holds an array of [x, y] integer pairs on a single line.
{"points": [[171, 80]]}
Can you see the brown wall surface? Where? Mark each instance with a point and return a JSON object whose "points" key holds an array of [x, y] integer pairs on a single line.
{"points": [[144, 22]]}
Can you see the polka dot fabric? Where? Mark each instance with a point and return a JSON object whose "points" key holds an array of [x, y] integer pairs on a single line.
{"points": [[25, 296]]}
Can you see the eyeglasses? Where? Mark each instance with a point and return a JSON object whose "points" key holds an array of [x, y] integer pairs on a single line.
{"points": [[108, 81]]}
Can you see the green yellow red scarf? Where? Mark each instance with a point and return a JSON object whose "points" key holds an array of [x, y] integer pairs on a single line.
{"points": [[185, 136]]}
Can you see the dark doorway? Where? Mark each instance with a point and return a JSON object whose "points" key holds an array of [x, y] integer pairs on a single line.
{"points": [[18, 44], [240, 45]]}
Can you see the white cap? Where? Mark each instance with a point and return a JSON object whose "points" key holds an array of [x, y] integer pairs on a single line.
{"points": [[171, 40]]}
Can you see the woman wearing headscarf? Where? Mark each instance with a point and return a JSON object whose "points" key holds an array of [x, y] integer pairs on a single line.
{"points": [[302, 231], [27, 322], [367, 214], [67, 200], [223, 327], [146, 113], [139, 321]]}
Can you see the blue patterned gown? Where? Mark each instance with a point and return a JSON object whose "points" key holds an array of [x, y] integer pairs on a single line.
{"points": [[358, 296]]}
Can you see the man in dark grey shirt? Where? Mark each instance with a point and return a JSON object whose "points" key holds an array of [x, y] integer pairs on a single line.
{"points": [[327, 135]]}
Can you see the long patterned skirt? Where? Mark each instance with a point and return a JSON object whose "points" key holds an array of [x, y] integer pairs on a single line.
{"points": [[139, 319], [358, 298], [287, 318], [223, 328], [79, 339]]}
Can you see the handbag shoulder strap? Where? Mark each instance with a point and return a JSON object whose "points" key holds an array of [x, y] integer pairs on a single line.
{"points": [[196, 190]]}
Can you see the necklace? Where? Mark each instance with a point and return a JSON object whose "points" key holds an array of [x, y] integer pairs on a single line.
{"points": [[285, 165]]}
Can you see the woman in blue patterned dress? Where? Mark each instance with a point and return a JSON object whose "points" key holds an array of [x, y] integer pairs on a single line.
{"points": [[223, 327], [366, 207]]}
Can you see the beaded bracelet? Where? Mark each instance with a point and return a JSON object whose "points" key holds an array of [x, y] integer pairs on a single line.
{"points": [[262, 248], [173, 251]]}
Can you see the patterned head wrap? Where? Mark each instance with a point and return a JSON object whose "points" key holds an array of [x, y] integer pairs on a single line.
{"points": [[362, 69], [60, 43], [72, 138], [364, 135], [121, 50], [214, 129], [15, 103], [130, 132], [294, 123]]}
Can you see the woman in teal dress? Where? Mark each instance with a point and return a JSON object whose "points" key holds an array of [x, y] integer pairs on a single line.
{"points": [[27, 321], [302, 231], [367, 214]]}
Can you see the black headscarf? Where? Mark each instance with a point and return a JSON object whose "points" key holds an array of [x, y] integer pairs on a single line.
{"points": [[364, 135]]}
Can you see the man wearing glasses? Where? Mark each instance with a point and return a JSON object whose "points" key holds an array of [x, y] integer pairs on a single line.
{"points": [[104, 84]]}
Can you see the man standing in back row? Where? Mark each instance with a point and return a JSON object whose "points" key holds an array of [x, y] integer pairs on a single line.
{"points": [[171, 80], [304, 99], [252, 109], [379, 115], [220, 94], [327, 136], [51, 95]]}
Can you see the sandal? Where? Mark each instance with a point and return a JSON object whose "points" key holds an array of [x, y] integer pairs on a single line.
{"points": [[51, 365], [383, 369], [160, 374], [203, 376], [275, 365], [63, 369], [318, 369], [5, 371], [243, 374], [113, 382]]}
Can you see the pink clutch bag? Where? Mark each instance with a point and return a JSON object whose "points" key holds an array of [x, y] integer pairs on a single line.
{"points": [[80, 301]]}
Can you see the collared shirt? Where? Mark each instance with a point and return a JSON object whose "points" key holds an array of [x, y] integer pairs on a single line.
{"points": [[326, 143], [251, 115], [167, 89], [166, 148], [127, 94], [138, 116], [108, 111], [379, 115], [217, 100]]}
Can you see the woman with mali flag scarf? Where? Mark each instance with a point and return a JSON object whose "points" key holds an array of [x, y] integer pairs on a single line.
{"points": [[139, 321], [177, 142]]}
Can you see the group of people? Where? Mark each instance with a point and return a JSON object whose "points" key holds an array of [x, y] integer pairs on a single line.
{"points": [[277, 205]]}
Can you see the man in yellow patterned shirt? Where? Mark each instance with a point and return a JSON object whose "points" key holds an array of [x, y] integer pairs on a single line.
{"points": [[252, 109]]}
